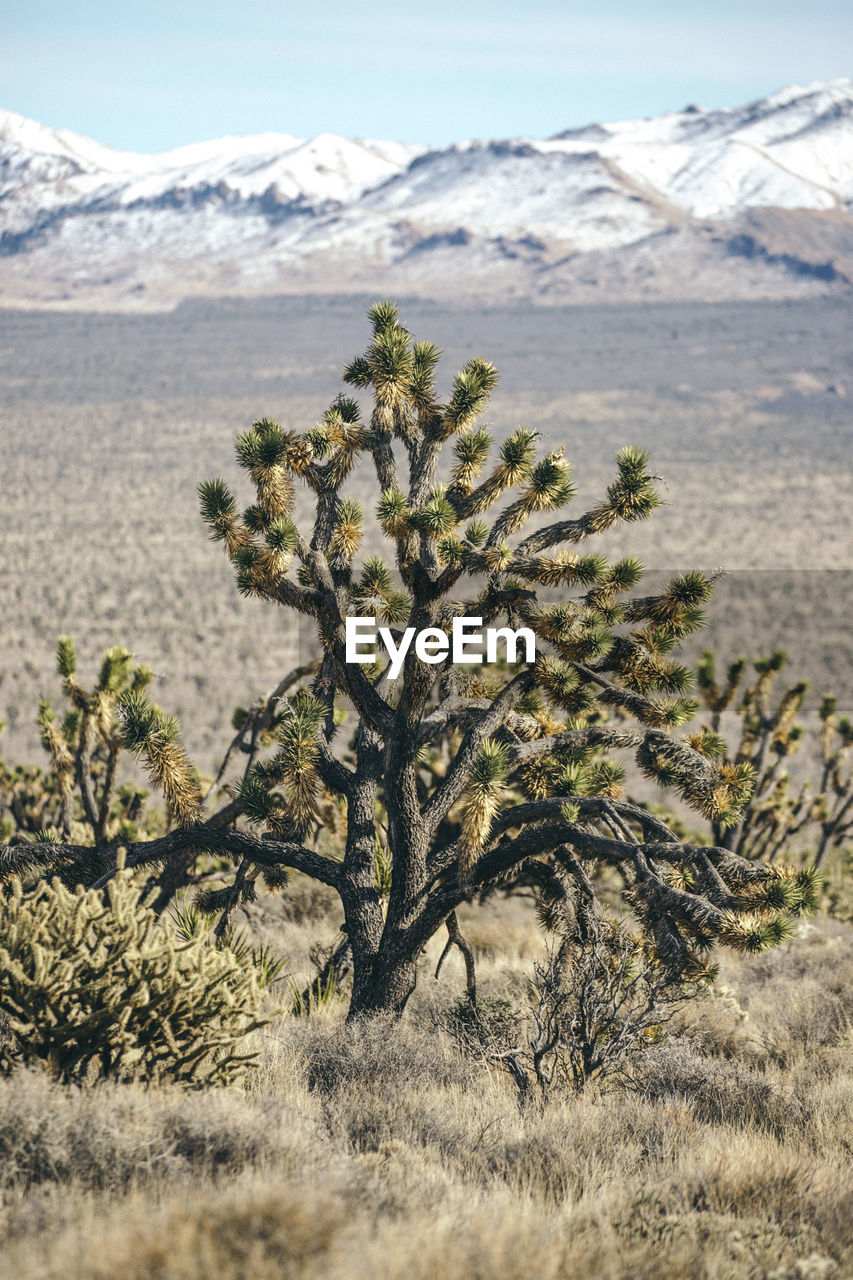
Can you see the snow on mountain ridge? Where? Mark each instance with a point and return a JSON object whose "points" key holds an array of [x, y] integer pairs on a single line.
{"points": [[694, 120], [713, 163], [705, 161], [261, 208], [326, 167], [40, 139]]}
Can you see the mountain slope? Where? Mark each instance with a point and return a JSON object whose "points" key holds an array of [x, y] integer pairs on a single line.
{"points": [[749, 201]]}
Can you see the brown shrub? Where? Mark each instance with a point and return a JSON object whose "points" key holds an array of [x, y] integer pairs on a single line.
{"points": [[719, 1091], [116, 1136]]}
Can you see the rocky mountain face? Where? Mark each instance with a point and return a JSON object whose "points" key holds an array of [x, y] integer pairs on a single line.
{"points": [[754, 201]]}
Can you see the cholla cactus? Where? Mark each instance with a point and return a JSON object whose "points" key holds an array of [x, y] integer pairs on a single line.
{"points": [[467, 779], [817, 812], [94, 984]]}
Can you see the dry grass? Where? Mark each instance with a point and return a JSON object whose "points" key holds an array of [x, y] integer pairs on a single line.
{"points": [[382, 1151]]}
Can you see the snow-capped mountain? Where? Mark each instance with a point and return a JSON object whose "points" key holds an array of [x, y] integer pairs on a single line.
{"points": [[749, 201]]}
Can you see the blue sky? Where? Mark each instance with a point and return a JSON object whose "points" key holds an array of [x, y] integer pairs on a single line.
{"points": [[149, 75]]}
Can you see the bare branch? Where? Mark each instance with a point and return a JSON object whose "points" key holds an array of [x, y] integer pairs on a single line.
{"points": [[208, 838]]}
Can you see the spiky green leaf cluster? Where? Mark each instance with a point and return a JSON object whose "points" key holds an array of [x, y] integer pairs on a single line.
{"points": [[148, 731]]}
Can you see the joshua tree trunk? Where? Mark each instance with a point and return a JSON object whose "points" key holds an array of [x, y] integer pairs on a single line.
{"points": [[384, 986]]}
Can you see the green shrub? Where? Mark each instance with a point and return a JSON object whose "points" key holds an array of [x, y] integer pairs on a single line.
{"points": [[94, 984]]}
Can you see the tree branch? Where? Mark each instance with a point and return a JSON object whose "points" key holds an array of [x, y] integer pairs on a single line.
{"points": [[15, 859], [449, 791]]}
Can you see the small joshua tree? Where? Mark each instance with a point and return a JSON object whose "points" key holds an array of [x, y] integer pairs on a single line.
{"points": [[779, 814], [460, 782], [81, 796]]}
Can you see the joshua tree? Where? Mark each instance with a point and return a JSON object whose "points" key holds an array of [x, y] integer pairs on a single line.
{"points": [[456, 778], [80, 793], [778, 813]]}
